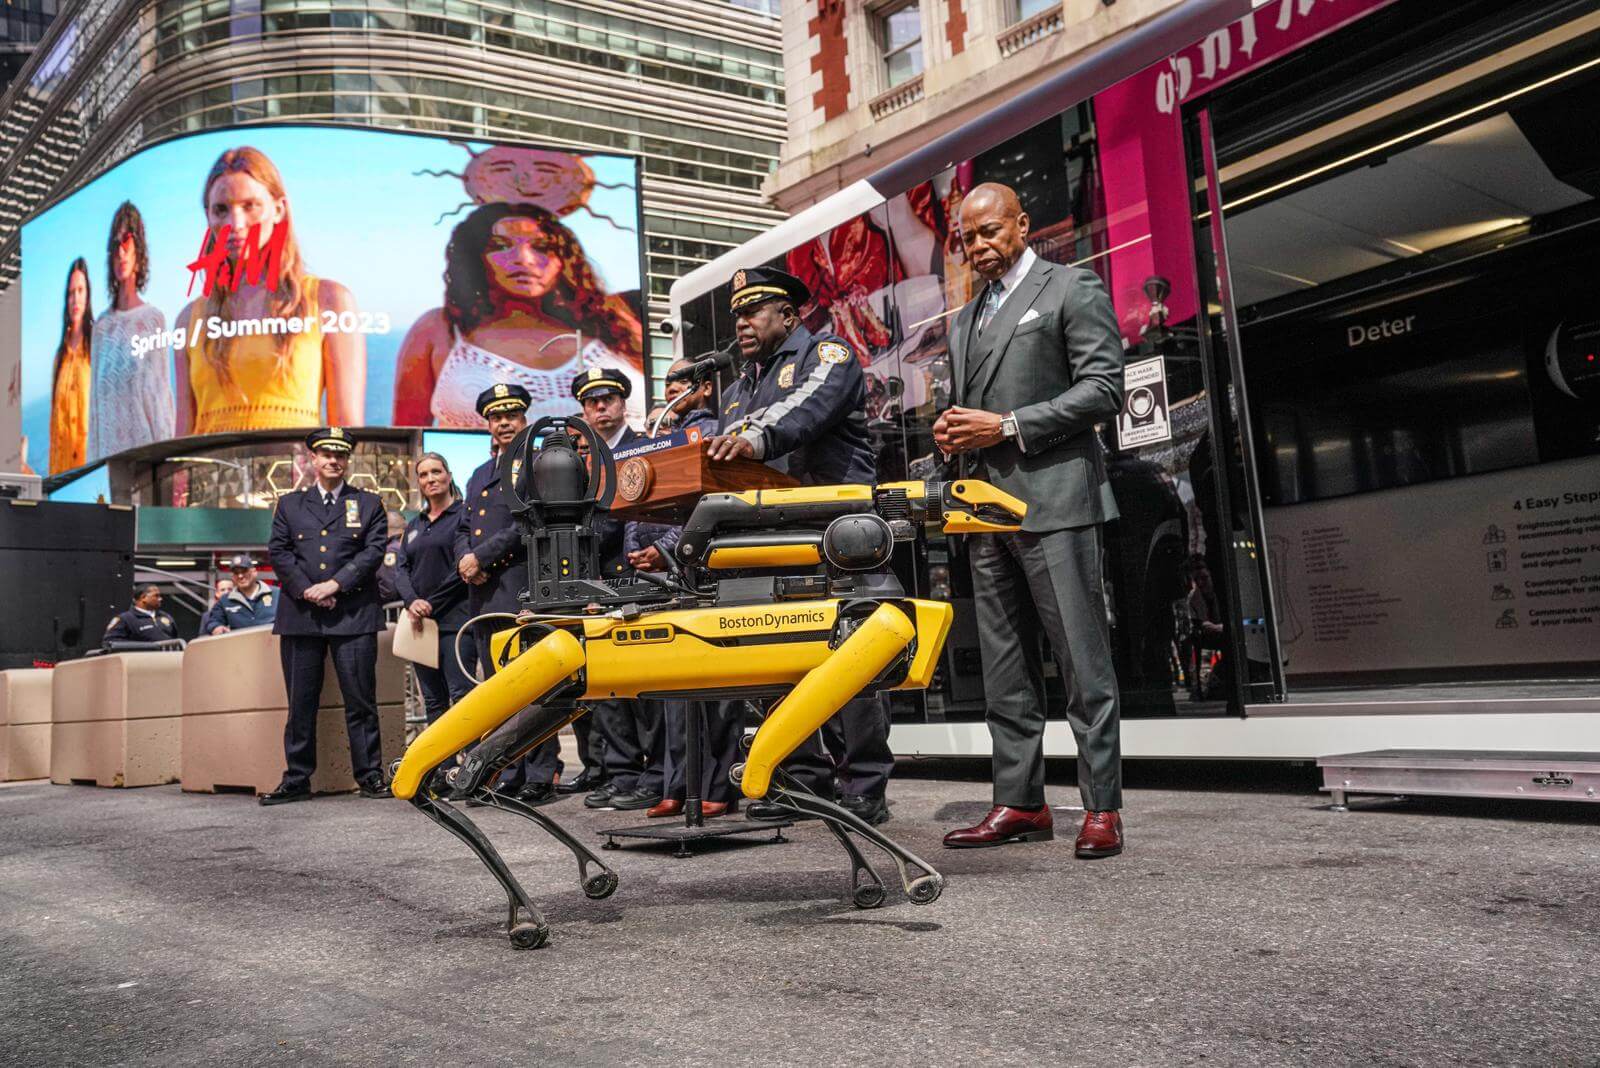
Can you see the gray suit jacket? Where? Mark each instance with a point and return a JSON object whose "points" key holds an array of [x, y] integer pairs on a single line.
{"points": [[1061, 373]]}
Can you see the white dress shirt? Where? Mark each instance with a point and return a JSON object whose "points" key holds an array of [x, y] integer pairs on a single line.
{"points": [[1008, 285], [326, 495]]}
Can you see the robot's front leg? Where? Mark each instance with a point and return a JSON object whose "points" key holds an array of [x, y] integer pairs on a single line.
{"points": [[529, 933], [599, 885], [542, 671], [880, 639]]}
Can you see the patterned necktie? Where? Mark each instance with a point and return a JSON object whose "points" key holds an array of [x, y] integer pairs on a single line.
{"points": [[991, 304]]}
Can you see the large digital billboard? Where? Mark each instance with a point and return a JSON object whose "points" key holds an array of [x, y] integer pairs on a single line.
{"points": [[277, 277]]}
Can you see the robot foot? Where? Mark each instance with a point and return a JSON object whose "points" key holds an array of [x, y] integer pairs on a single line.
{"points": [[922, 888], [525, 925], [601, 884]]}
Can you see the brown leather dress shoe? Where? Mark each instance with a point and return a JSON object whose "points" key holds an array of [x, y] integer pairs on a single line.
{"points": [[1004, 825], [713, 808], [670, 806], [1101, 835]]}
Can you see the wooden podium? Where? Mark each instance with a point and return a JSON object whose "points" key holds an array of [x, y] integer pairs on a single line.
{"points": [[662, 479]]}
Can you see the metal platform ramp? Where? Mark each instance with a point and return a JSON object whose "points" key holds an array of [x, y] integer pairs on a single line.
{"points": [[1462, 773]]}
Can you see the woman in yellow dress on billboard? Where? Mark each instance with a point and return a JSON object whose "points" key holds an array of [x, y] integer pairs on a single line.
{"points": [[260, 380], [70, 376]]}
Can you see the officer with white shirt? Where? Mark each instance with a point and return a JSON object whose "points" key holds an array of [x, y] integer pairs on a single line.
{"points": [[144, 622], [251, 603]]}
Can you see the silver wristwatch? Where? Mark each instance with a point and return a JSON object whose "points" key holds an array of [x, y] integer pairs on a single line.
{"points": [[1008, 425]]}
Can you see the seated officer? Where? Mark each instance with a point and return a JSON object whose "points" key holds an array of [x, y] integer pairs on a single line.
{"points": [[251, 603], [631, 729], [144, 622], [325, 547], [799, 405]]}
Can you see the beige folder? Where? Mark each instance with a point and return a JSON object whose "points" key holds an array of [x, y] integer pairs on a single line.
{"points": [[417, 646]]}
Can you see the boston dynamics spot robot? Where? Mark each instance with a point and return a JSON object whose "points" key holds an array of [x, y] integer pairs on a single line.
{"points": [[777, 593]]}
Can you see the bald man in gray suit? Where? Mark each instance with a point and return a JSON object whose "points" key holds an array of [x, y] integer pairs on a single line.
{"points": [[1037, 362]]}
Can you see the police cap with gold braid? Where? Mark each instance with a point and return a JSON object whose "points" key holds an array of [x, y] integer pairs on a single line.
{"points": [[503, 397], [330, 437], [598, 381], [754, 285]]}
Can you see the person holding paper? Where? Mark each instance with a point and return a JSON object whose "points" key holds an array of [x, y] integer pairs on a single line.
{"points": [[431, 587]]}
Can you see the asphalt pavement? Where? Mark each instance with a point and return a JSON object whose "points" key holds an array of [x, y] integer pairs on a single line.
{"points": [[1244, 925]]}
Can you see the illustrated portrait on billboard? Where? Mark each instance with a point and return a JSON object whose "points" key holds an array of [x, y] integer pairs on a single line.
{"points": [[522, 303], [132, 386], [70, 376], [266, 381]]}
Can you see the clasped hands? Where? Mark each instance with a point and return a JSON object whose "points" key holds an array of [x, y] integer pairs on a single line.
{"points": [[959, 430], [323, 593]]}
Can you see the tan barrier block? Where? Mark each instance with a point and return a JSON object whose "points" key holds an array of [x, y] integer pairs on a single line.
{"points": [[115, 719], [24, 724], [235, 708]]}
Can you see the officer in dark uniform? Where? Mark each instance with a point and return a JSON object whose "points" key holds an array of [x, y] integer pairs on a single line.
{"points": [[325, 547], [492, 560], [144, 622], [799, 405], [251, 602], [634, 751]]}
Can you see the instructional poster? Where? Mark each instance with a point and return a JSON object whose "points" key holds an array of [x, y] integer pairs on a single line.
{"points": [[1144, 419], [1500, 569]]}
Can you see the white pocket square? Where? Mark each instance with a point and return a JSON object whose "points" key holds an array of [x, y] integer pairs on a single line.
{"points": [[1028, 316]]}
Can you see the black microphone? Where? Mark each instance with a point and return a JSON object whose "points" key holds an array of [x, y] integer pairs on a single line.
{"points": [[707, 365]]}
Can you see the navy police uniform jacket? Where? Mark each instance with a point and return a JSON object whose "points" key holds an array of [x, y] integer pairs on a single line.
{"points": [[311, 543], [238, 612], [611, 534], [805, 410], [488, 532], [425, 566], [137, 625]]}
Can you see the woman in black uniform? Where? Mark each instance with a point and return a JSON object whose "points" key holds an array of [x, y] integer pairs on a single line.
{"points": [[431, 587]]}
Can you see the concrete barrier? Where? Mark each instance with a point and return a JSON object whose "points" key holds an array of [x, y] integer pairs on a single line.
{"points": [[235, 708], [24, 724], [115, 720]]}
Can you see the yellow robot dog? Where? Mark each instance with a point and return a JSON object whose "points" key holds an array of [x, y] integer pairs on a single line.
{"points": [[782, 593]]}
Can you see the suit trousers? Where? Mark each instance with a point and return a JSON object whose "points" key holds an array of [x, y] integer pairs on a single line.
{"points": [[720, 728], [591, 747], [355, 664], [542, 764], [446, 684], [632, 733], [857, 737], [1024, 582]]}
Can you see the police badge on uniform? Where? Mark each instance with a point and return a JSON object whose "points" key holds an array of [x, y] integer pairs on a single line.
{"points": [[267, 599], [352, 512], [388, 559], [833, 352], [786, 376]]}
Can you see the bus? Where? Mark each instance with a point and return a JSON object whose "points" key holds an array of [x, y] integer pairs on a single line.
{"points": [[1358, 466]]}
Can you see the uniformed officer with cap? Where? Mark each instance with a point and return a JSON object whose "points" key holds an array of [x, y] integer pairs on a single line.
{"points": [[634, 749], [325, 547], [144, 622], [799, 405], [493, 562], [251, 602]]}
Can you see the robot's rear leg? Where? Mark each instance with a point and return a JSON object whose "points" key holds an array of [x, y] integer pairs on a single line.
{"points": [[525, 924], [599, 885], [922, 889]]}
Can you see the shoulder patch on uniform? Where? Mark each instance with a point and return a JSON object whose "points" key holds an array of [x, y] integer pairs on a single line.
{"points": [[833, 352]]}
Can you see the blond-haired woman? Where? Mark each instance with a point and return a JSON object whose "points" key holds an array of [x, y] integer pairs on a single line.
{"points": [[256, 380]]}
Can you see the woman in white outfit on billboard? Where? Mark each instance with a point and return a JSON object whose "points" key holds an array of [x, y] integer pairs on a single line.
{"points": [[132, 394], [517, 289]]}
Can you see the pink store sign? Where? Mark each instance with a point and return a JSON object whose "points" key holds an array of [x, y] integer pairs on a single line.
{"points": [[1139, 125]]}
